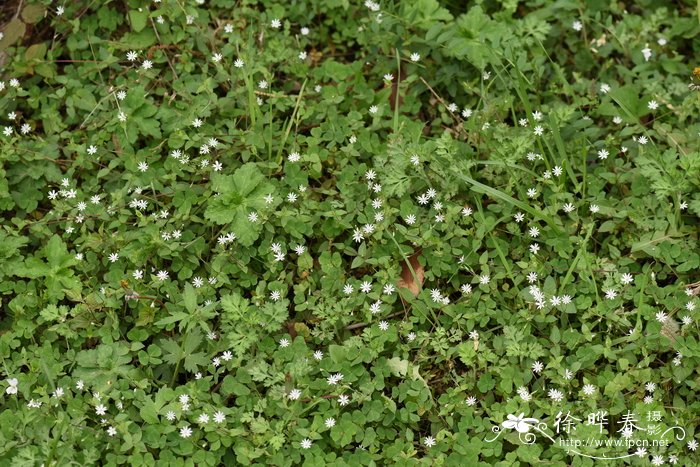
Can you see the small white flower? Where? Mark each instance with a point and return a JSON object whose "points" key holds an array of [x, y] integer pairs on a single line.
{"points": [[238, 63], [318, 355], [305, 443], [589, 389], [537, 367], [330, 422], [626, 278], [383, 325], [113, 257], [276, 23], [373, 109], [556, 395], [219, 417], [653, 105], [147, 64], [429, 441], [185, 432], [343, 400], [216, 58], [661, 317], [294, 394], [646, 52], [415, 57], [538, 131], [577, 25], [284, 342]]}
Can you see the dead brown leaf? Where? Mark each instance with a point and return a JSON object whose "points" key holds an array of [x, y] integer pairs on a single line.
{"points": [[407, 280]]}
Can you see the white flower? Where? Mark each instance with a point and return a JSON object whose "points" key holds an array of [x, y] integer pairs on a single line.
{"points": [[335, 379], [642, 140], [588, 389], [646, 52], [284, 342], [294, 394], [100, 410], [603, 154], [162, 275], [410, 337], [538, 130], [531, 192], [276, 23], [383, 325], [537, 367], [197, 282], [577, 25], [556, 395], [185, 432], [389, 289], [594, 208], [131, 55], [466, 113], [373, 109], [366, 287], [471, 401], [626, 278], [330, 422], [219, 417], [318, 355], [216, 58], [347, 289], [147, 64], [253, 217], [519, 216], [238, 63], [650, 387], [203, 419], [111, 431], [653, 105], [113, 257], [305, 443], [415, 57], [484, 279], [466, 289], [304, 31], [692, 445], [429, 441], [661, 317]]}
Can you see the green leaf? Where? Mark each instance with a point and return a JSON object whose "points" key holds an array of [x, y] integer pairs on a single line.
{"points": [[239, 195], [33, 13], [14, 31], [138, 19]]}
